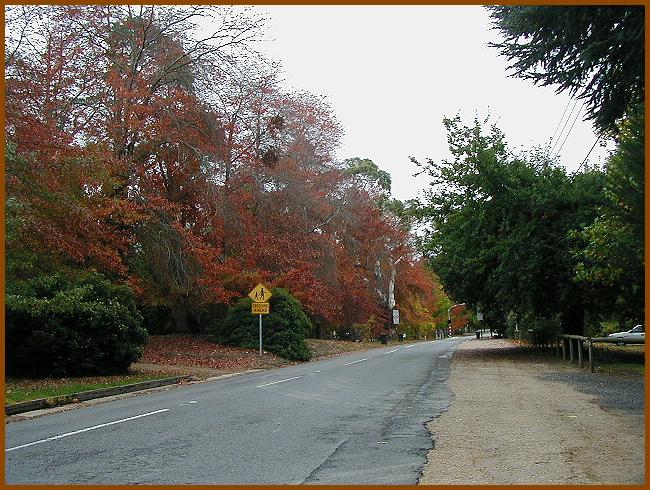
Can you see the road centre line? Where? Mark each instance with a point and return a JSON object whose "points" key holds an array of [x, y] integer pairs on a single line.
{"points": [[390, 351], [276, 382], [61, 436], [354, 362]]}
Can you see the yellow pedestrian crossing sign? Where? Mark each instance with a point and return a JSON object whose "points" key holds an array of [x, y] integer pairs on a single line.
{"points": [[260, 294]]}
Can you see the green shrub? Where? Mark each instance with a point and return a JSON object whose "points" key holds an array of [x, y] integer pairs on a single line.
{"points": [[64, 326], [159, 319], [210, 315], [284, 329]]}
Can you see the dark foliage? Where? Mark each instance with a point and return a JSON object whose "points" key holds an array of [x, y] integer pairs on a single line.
{"points": [[60, 325], [284, 329], [160, 320], [596, 52]]}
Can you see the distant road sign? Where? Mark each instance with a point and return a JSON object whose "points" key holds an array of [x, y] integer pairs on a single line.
{"points": [[260, 294], [260, 309], [395, 317]]}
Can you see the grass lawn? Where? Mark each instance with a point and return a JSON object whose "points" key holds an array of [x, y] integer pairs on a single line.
{"points": [[621, 368], [21, 390], [623, 356]]}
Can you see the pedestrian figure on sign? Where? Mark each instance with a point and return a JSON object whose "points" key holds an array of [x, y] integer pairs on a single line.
{"points": [[260, 295]]}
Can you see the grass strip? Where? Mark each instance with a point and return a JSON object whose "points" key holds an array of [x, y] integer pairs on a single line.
{"points": [[22, 390]]}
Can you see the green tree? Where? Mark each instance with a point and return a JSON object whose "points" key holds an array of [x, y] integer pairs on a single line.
{"points": [[612, 258], [596, 52], [499, 228], [368, 174]]}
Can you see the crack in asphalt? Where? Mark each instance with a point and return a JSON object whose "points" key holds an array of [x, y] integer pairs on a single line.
{"points": [[325, 462]]}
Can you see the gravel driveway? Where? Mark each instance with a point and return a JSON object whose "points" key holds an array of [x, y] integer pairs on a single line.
{"points": [[521, 418]]}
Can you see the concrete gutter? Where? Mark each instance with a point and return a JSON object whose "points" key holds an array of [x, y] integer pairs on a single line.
{"points": [[89, 395]]}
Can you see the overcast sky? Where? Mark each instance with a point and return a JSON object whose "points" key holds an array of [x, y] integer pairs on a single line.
{"points": [[391, 73]]}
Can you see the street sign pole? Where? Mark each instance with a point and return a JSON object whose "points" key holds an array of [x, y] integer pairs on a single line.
{"points": [[260, 334], [260, 306]]}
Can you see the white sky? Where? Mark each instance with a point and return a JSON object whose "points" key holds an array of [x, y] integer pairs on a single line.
{"points": [[391, 73]]}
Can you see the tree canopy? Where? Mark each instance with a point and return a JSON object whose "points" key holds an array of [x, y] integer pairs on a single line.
{"points": [[172, 161], [499, 228], [594, 52], [612, 259]]}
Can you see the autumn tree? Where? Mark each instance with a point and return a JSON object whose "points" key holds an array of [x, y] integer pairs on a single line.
{"points": [[153, 144], [116, 84]]}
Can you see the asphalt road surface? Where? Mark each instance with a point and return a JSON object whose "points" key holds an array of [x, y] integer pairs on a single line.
{"points": [[358, 418]]}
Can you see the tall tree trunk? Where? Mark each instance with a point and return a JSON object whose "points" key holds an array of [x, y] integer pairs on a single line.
{"points": [[391, 282]]}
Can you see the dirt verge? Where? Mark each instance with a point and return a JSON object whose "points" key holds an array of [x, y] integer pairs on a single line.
{"points": [[512, 423]]}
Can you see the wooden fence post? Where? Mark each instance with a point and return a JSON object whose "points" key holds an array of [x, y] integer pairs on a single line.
{"points": [[579, 342], [591, 356], [564, 349], [571, 356], [557, 347]]}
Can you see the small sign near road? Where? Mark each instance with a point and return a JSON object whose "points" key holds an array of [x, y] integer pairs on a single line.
{"points": [[260, 308], [260, 294], [395, 317]]}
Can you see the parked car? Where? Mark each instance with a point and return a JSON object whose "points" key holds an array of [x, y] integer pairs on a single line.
{"points": [[635, 335]]}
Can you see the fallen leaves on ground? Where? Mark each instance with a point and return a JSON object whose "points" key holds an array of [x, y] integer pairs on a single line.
{"points": [[180, 353], [321, 348], [199, 351]]}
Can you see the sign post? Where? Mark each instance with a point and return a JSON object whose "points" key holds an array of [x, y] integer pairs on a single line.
{"points": [[260, 334], [260, 296]]}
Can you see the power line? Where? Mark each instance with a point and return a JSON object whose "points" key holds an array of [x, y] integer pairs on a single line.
{"points": [[575, 102], [569, 132], [590, 150], [560, 121]]}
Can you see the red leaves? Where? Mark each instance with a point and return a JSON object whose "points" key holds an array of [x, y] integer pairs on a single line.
{"points": [[149, 165], [185, 350]]}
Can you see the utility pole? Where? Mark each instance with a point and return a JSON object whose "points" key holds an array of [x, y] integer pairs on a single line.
{"points": [[449, 316]]}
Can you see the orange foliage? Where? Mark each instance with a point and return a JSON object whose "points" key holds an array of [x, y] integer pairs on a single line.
{"points": [[193, 184]]}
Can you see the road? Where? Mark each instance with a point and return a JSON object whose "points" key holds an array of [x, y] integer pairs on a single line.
{"points": [[357, 418]]}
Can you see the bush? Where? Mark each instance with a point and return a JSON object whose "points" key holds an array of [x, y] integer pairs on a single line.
{"points": [[284, 329], [64, 326], [159, 319]]}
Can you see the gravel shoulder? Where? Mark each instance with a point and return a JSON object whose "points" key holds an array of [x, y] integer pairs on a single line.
{"points": [[520, 418]]}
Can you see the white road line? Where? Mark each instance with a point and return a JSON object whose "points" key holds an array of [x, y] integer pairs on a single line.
{"points": [[409, 346], [61, 436], [390, 351], [276, 382], [354, 362]]}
